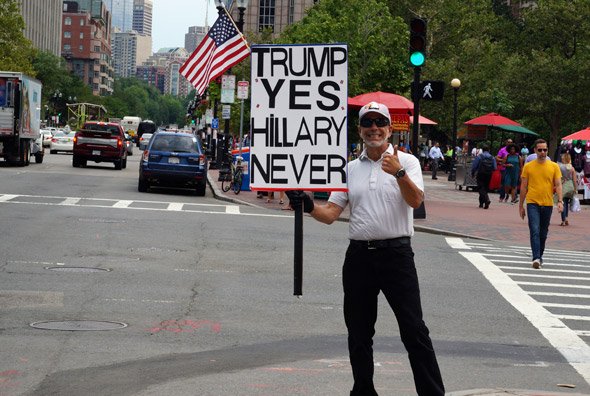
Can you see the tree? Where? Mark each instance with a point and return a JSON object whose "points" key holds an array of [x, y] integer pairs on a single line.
{"points": [[377, 41], [16, 51], [549, 72]]}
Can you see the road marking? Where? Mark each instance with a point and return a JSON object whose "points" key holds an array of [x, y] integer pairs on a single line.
{"points": [[176, 206], [530, 269], [7, 197], [570, 286], [122, 204], [555, 305], [70, 201], [583, 333], [572, 317], [545, 262], [457, 243], [559, 294], [232, 209], [549, 276], [565, 340]]}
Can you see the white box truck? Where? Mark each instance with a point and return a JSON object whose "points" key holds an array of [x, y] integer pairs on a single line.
{"points": [[20, 118]]}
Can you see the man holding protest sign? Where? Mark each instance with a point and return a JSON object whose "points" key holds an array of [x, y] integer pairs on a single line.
{"points": [[384, 186]]}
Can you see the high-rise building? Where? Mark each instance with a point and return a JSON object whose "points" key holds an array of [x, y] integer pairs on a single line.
{"points": [[274, 15], [43, 23], [122, 14], [194, 37], [130, 49], [161, 70], [142, 16], [86, 43]]}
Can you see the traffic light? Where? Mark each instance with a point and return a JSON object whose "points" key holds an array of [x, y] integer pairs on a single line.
{"points": [[417, 42]]}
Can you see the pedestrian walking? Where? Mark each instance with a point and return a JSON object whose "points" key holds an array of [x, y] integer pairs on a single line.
{"points": [[483, 166], [435, 156], [384, 186], [538, 181], [501, 159], [569, 183], [513, 165]]}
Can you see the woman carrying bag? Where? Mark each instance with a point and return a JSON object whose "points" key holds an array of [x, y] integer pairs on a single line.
{"points": [[569, 183]]}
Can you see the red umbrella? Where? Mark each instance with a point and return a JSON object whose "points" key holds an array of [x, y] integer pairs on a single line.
{"points": [[423, 121], [395, 103], [584, 134], [492, 119]]}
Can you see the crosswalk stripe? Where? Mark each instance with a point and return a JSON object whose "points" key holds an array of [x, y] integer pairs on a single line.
{"points": [[573, 317], [70, 201], [7, 197], [232, 209], [549, 294], [122, 204], [548, 276], [574, 306], [575, 350], [527, 269], [176, 206], [554, 285]]}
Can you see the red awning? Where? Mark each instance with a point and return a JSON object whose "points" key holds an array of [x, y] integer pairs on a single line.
{"points": [[395, 103], [492, 119], [423, 121], [584, 134]]}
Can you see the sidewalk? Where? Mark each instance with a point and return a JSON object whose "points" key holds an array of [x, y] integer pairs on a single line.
{"points": [[454, 212]]}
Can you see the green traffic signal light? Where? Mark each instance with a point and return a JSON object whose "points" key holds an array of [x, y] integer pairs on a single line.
{"points": [[417, 59], [417, 42]]}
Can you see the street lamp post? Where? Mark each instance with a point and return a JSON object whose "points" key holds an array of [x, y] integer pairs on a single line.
{"points": [[242, 5], [455, 83]]}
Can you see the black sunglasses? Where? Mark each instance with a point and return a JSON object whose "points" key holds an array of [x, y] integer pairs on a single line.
{"points": [[368, 122], [542, 150]]}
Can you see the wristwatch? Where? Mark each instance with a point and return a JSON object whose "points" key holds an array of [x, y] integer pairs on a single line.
{"points": [[400, 173], [560, 202]]}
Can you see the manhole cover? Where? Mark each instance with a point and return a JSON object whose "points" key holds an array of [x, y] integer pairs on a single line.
{"points": [[78, 325], [78, 269]]}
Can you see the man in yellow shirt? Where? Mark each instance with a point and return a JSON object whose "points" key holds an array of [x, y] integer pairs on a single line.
{"points": [[538, 180]]}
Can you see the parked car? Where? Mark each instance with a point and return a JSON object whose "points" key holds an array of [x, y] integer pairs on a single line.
{"points": [[144, 140], [61, 141], [100, 142], [129, 144], [174, 160]]}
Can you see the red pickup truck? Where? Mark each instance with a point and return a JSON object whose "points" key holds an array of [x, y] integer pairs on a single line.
{"points": [[100, 142]]}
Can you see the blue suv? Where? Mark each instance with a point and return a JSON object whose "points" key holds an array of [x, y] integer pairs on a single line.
{"points": [[173, 159]]}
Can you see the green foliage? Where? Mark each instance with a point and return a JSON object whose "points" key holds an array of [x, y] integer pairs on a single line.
{"points": [[377, 41], [16, 51]]}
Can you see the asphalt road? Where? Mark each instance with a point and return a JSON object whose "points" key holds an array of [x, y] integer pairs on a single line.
{"points": [[204, 290]]}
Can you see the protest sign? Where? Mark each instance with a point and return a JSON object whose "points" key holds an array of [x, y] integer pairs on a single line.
{"points": [[298, 136]]}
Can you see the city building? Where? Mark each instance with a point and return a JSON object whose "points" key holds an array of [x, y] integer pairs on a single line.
{"points": [[129, 50], [194, 37], [121, 14], [86, 44], [274, 15], [161, 71], [43, 23], [142, 16]]}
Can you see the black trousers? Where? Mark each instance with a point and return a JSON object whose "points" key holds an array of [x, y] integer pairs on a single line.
{"points": [[483, 185], [391, 270]]}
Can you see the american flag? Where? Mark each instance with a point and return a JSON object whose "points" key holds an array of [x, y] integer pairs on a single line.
{"points": [[222, 48]]}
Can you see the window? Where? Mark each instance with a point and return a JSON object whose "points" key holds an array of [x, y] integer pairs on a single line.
{"points": [[67, 21], [67, 47], [81, 35], [266, 20], [81, 48], [291, 11], [81, 22], [67, 34], [97, 48]]}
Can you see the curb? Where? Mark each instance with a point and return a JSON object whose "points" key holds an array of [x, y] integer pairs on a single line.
{"points": [[513, 392], [218, 194]]}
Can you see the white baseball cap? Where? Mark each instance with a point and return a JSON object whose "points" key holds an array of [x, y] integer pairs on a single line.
{"points": [[375, 107]]}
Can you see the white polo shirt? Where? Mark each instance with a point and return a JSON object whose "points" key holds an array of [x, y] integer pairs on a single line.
{"points": [[377, 208]]}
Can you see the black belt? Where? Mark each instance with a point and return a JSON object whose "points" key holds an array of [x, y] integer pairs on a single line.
{"points": [[382, 243]]}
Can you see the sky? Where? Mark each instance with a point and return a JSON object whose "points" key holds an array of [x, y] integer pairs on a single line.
{"points": [[171, 19]]}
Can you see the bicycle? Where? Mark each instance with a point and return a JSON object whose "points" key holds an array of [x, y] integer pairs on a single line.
{"points": [[234, 182]]}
